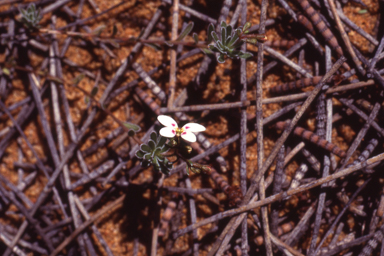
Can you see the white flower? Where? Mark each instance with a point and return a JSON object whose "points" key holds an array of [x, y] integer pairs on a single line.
{"points": [[171, 129]]}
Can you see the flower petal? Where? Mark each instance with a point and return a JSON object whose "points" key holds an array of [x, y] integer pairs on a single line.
{"points": [[167, 132], [167, 121], [193, 127], [188, 136]]}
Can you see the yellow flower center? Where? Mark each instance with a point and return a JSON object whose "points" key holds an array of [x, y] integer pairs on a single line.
{"points": [[179, 131]]}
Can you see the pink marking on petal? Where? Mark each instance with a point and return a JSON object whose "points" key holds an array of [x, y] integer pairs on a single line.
{"points": [[186, 127], [173, 125], [173, 131], [184, 133]]}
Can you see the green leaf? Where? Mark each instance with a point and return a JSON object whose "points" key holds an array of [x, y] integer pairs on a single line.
{"points": [[94, 91], [206, 169], [161, 141], [233, 40], [131, 126], [153, 136], [131, 133], [164, 169], [209, 33], [237, 44], [168, 164], [223, 24], [38, 12], [223, 35], [140, 154], [187, 170], [78, 78], [164, 149], [156, 164], [214, 48], [234, 53], [155, 46], [147, 156], [157, 153], [145, 148], [195, 170], [229, 31], [114, 30], [172, 143], [185, 32], [245, 55], [6, 71], [23, 13], [251, 41], [247, 25], [206, 51], [362, 11], [152, 145], [219, 45], [114, 43], [215, 37], [229, 39], [56, 80], [86, 100], [220, 58], [195, 38], [261, 38], [98, 30], [238, 31]]}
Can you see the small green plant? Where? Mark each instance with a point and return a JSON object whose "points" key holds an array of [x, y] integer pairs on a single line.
{"points": [[153, 152], [228, 42], [31, 17]]}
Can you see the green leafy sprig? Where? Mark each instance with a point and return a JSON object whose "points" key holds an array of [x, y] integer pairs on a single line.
{"points": [[31, 17], [197, 168], [152, 153], [228, 42]]}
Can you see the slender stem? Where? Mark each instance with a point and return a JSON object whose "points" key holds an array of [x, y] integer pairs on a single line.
{"points": [[345, 37], [243, 132], [173, 53], [334, 223], [257, 176], [111, 207], [282, 195]]}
